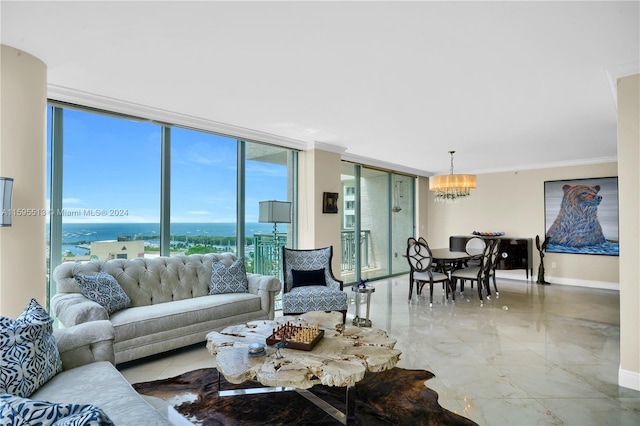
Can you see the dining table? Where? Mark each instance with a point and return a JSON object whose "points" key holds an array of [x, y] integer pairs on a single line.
{"points": [[447, 259]]}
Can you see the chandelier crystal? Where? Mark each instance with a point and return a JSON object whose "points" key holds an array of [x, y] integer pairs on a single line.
{"points": [[452, 188]]}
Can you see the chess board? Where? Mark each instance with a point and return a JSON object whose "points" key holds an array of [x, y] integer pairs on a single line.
{"points": [[297, 336]]}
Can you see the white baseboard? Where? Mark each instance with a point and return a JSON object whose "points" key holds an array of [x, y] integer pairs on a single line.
{"points": [[521, 275], [629, 379]]}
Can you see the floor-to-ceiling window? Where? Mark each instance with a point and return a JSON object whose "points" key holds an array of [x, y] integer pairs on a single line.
{"points": [[377, 218], [203, 192], [269, 172], [110, 190], [125, 187]]}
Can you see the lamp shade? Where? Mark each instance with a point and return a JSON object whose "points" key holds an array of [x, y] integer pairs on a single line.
{"points": [[275, 212], [6, 189], [444, 182]]}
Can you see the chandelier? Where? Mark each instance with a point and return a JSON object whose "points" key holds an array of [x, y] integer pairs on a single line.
{"points": [[452, 188]]}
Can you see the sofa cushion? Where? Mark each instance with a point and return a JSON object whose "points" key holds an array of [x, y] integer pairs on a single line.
{"points": [[28, 352], [18, 411], [306, 278], [228, 279], [103, 289], [101, 384], [156, 321]]}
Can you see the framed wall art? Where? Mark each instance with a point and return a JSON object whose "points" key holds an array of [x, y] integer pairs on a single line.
{"points": [[581, 216], [329, 202]]}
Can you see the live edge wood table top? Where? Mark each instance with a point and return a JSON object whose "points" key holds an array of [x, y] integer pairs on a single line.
{"points": [[340, 358]]}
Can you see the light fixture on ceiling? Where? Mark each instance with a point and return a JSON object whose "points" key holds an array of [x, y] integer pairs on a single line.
{"points": [[6, 189], [451, 188]]}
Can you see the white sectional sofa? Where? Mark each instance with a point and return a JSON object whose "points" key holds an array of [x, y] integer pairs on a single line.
{"points": [[89, 377], [170, 302]]}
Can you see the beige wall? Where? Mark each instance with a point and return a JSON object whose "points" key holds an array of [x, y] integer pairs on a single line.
{"points": [[513, 202], [23, 101], [629, 188], [319, 171]]}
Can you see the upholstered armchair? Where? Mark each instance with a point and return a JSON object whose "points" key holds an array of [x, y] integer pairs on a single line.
{"points": [[309, 283]]}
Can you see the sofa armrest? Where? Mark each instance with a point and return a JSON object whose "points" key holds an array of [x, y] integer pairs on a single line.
{"points": [[264, 282], [73, 309], [85, 343], [267, 288]]}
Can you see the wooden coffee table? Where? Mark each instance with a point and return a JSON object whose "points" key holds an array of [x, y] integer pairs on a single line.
{"points": [[340, 358]]}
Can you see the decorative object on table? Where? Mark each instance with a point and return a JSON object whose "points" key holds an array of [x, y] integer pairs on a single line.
{"points": [[329, 202], [279, 345], [452, 187], [581, 216], [541, 248], [295, 336], [394, 397], [363, 283], [257, 349], [488, 234], [275, 212], [6, 189]]}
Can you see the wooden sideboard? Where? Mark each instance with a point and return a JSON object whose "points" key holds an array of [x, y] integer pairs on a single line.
{"points": [[515, 253]]}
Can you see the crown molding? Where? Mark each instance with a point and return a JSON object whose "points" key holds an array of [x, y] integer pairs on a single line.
{"points": [[146, 113], [78, 97], [366, 161], [324, 146], [571, 163]]}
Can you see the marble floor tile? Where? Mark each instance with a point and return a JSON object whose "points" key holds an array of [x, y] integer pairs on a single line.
{"points": [[532, 355]]}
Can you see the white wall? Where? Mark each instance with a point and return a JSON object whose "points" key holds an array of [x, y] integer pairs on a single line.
{"points": [[513, 202], [319, 171], [629, 188], [23, 103]]}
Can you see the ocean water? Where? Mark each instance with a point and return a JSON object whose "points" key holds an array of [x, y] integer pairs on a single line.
{"points": [[607, 248], [77, 233]]}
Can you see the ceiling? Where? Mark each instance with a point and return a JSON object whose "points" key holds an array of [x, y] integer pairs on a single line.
{"points": [[507, 85]]}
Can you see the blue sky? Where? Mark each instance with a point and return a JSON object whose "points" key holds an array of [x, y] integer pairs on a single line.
{"points": [[112, 173]]}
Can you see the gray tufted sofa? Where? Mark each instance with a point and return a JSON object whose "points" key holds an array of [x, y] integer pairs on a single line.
{"points": [[170, 302]]}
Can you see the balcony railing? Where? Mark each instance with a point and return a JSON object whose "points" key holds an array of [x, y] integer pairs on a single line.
{"points": [[265, 259], [348, 247]]}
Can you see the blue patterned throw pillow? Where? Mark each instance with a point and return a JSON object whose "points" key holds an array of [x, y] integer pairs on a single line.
{"points": [[232, 279], [18, 411], [103, 288], [29, 354]]}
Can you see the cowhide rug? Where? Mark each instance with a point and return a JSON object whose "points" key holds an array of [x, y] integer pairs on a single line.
{"points": [[394, 397]]}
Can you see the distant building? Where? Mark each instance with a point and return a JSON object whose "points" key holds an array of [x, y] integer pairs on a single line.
{"points": [[116, 249]]}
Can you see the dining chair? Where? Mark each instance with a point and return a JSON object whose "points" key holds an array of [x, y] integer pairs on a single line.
{"points": [[479, 274], [422, 269], [475, 246], [495, 257]]}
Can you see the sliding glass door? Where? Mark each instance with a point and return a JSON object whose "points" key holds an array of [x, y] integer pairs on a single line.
{"points": [[377, 219]]}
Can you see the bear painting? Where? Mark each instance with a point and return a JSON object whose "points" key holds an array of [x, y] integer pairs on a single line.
{"points": [[577, 223]]}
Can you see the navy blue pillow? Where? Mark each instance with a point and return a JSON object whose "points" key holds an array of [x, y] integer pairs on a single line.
{"points": [[304, 278]]}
